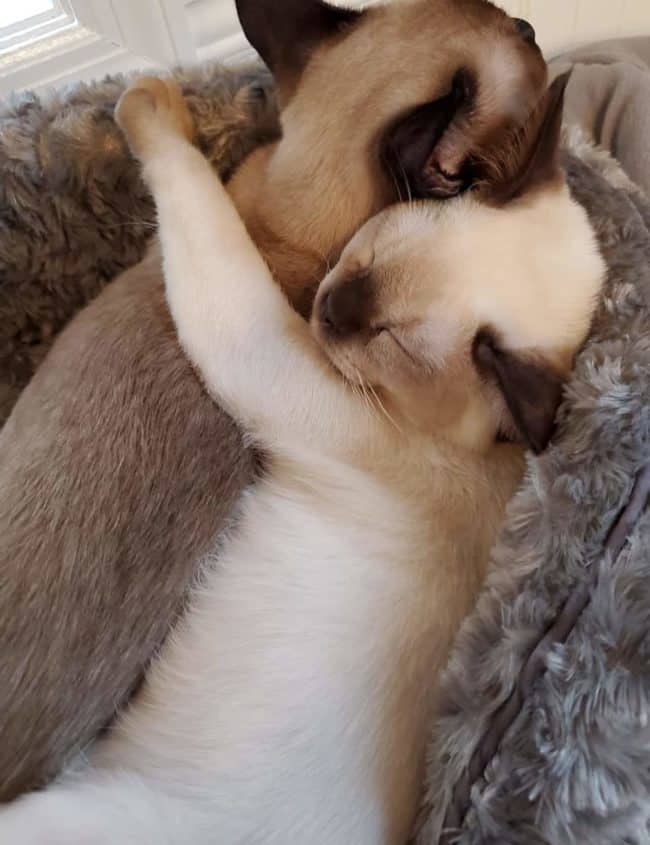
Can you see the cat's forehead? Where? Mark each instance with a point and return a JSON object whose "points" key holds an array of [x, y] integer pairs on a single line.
{"points": [[467, 243], [533, 266]]}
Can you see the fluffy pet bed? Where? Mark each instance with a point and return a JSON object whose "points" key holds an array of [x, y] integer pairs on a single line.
{"points": [[73, 212], [545, 734]]}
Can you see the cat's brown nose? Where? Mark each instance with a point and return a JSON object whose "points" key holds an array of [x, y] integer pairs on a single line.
{"points": [[344, 308]]}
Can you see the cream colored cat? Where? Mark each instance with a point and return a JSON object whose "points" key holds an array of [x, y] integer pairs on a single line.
{"points": [[291, 704]]}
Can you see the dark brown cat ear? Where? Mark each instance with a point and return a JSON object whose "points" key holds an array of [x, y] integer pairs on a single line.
{"points": [[509, 167], [285, 32], [531, 389]]}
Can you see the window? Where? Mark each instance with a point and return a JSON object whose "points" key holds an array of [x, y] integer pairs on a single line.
{"points": [[47, 42], [25, 21]]}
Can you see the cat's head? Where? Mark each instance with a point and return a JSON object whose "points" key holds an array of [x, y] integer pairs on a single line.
{"points": [[467, 315], [398, 100]]}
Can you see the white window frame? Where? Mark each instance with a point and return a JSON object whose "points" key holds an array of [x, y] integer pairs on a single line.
{"points": [[60, 16], [155, 29], [216, 30], [111, 36]]}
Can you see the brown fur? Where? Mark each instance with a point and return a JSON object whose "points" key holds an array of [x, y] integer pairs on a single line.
{"points": [[530, 385], [526, 158], [117, 473]]}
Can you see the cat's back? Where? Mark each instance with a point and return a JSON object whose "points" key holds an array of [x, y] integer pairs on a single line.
{"points": [[116, 473]]}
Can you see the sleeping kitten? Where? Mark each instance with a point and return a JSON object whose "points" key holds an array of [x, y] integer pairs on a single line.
{"points": [[291, 704]]}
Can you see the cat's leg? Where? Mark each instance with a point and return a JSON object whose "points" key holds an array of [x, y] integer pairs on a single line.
{"points": [[253, 351]]}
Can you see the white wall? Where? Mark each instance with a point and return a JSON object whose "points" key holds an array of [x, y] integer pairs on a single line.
{"points": [[215, 27], [561, 24]]}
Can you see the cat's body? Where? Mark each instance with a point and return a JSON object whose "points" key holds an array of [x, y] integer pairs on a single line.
{"points": [[292, 703], [117, 473]]}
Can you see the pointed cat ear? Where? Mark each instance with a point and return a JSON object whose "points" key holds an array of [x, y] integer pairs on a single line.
{"points": [[532, 390], [527, 158], [286, 32]]}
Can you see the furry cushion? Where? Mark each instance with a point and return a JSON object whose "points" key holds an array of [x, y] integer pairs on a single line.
{"points": [[73, 211], [571, 764]]}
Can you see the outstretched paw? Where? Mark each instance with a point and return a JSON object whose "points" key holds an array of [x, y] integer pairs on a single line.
{"points": [[150, 110]]}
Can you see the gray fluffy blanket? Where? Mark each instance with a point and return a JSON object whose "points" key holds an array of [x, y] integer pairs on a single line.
{"points": [[553, 748], [73, 212]]}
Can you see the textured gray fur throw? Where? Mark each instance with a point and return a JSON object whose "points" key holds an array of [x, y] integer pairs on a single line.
{"points": [[73, 211], [545, 732]]}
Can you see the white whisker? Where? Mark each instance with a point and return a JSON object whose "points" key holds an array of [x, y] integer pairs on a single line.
{"points": [[384, 410]]}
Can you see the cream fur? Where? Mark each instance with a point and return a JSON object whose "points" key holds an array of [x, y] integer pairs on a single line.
{"points": [[291, 705]]}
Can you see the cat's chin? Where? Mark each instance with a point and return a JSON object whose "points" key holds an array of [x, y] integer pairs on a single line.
{"points": [[337, 357]]}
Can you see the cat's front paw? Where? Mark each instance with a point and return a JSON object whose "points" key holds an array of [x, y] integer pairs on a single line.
{"points": [[150, 110]]}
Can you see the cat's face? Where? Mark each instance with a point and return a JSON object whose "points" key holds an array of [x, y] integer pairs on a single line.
{"points": [[466, 317]]}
